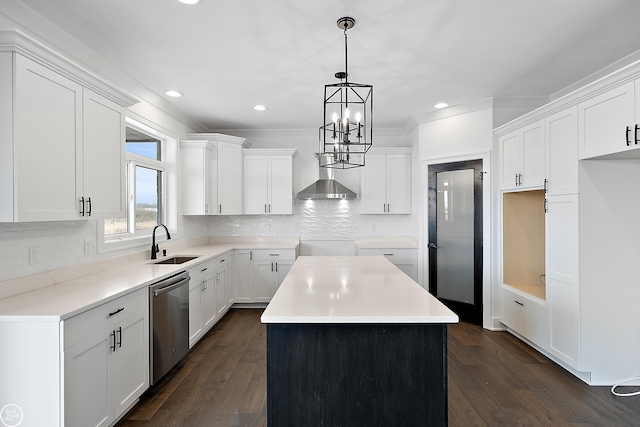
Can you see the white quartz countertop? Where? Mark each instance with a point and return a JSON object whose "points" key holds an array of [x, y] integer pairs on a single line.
{"points": [[64, 300], [363, 289]]}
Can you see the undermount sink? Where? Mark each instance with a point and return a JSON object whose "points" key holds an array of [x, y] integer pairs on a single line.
{"points": [[176, 260]]}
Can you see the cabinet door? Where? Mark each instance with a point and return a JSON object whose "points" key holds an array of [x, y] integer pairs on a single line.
{"points": [[243, 276], [510, 160], [195, 311], [229, 179], [131, 359], [282, 269], [48, 144], [221, 289], [606, 122], [256, 185], [280, 185], [562, 278], [263, 273], [532, 153], [86, 382], [103, 144], [562, 152], [196, 162], [374, 184], [398, 183], [208, 301]]}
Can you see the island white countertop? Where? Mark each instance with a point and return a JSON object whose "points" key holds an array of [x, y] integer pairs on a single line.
{"points": [[344, 289]]}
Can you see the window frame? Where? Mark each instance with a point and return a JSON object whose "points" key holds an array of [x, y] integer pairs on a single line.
{"points": [[168, 199]]}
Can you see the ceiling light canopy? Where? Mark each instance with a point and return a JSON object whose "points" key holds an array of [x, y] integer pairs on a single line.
{"points": [[347, 132], [189, 1], [259, 107], [441, 105], [174, 93]]}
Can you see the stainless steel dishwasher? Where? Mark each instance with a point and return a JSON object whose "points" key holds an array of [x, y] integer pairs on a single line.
{"points": [[169, 322]]}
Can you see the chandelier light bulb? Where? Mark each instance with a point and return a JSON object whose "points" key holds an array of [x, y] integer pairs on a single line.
{"points": [[358, 117], [347, 114]]}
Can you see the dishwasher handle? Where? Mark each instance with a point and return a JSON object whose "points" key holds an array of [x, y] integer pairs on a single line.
{"points": [[169, 288], [170, 283]]}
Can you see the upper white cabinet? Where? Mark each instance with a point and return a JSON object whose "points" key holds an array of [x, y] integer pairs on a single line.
{"points": [[61, 139], [609, 123], [386, 181], [224, 175], [197, 181], [268, 181], [522, 157], [561, 131]]}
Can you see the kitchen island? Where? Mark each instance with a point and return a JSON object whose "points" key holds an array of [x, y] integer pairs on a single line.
{"points": [[353, 341]]}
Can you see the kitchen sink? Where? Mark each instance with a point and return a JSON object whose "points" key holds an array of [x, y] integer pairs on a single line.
{"points": [[176, 260]]}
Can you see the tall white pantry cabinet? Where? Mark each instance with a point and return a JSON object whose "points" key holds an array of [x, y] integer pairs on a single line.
{"points": [[588, 302]]}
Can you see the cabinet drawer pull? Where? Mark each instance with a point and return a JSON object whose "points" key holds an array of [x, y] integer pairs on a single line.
{"points": [[518, 302], [387, 254], [276, 266], [89, 204], [635, 136], [274, 254], [116, 312], [120, 335], [204, 269], [271, 266], [81, 206]]}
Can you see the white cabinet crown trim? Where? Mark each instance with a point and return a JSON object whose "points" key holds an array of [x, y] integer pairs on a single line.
{"points": [[17, 41], [270, 152]]}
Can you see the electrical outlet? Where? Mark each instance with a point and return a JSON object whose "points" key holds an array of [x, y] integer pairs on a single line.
{"points": [[89, 246], [34, 258]]}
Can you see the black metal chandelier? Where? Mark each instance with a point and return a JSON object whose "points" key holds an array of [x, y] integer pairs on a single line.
{"points": [[347, 133]]}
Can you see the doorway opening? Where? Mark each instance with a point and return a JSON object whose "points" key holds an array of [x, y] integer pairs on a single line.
{"points": [[455, 237]]}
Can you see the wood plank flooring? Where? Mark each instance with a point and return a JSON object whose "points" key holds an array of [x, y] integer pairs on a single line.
{"points": [[494, 380]]}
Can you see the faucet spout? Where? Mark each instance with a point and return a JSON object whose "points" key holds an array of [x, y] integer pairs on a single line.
{"points": [[154, 247]]}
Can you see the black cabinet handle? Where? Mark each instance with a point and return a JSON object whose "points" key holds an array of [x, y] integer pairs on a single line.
{"points": [[89, 204], [546, 206], [635, 134], [220, 209], [546, 185], [518, 302], [116, 312], [82, 206], [113, 336], [627, 135], [271, 266], [276, 266], [120, 335]]}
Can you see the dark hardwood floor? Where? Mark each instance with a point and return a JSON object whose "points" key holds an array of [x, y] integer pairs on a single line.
{"points": [[494, 380]]}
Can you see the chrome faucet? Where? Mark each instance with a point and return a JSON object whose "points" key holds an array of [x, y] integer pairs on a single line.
{"points": [[154, 247]]}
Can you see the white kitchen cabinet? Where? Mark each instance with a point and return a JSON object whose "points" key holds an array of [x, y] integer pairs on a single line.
{"points": [[226, 195], [222, 263], [62, 150], [243, 275], [386, 182], [608, 122], [406, 259], [268, 181], [106, 360], [561, 139], [562, 277], [522, 157], [270, 267], [525, 314], [196, 159], [103, 124]]}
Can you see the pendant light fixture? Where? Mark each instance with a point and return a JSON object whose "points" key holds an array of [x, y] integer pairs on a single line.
{"points": [[347, 133]]}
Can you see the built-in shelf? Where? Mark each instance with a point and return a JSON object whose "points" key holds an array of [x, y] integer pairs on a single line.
{"points": [[523, 241]]}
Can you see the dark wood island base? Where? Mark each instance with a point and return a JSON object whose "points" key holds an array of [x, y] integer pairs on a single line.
{"points": [[352, 375]]}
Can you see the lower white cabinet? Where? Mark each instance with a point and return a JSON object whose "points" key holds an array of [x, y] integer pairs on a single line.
{"points": [[106, 360], [208, 290], [406, 259], [259, 273], [525, 314], [270, 267]]}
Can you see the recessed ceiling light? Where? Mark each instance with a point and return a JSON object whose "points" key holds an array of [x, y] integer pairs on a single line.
{"points": [[259, 108], [174, 93], [189, 1], [441, 105]]}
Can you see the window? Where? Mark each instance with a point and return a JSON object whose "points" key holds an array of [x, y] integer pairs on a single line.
{"points": [[149, 163]]}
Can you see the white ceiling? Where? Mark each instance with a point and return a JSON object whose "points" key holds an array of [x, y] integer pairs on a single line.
{"points": [[227, 56]]}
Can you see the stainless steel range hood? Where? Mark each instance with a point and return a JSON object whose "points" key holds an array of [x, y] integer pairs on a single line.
{"points": [[326, 187]]}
